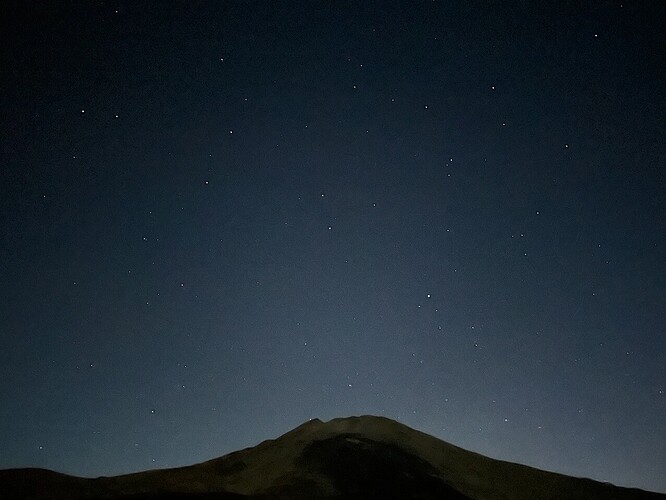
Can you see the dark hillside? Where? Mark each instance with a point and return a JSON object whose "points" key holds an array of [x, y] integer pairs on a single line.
{"points": [[348, 458]]}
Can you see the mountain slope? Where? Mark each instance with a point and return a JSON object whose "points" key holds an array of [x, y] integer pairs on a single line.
{"points": [[353, 458]]}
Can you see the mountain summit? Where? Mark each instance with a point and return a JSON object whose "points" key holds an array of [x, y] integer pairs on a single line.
{"points": [[364, 457]]}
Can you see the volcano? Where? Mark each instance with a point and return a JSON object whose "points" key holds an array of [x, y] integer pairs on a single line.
{"points": [[365, 457]]}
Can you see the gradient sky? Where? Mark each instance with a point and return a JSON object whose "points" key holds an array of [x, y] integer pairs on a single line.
{"points": [[221, 219]]}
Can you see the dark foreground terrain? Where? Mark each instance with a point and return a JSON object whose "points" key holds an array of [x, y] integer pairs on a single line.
{"points": [[351, 458]]}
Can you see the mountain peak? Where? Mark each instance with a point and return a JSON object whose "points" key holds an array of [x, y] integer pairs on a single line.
{"points": [[356, 457]]}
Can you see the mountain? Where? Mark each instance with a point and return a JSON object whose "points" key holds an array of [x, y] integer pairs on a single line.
{"points": [[352, 458]]}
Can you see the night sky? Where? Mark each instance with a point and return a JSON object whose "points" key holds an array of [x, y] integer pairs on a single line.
{"points": [[221, 219]]}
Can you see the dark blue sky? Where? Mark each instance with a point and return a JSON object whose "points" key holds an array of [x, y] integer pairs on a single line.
{"points": [[220, 219]]}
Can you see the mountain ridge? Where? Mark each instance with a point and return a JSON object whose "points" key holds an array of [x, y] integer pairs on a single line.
{"points": [[351, 457]]}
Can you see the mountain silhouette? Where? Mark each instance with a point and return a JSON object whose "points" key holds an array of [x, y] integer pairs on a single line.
{"points": [[364, 457]]}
